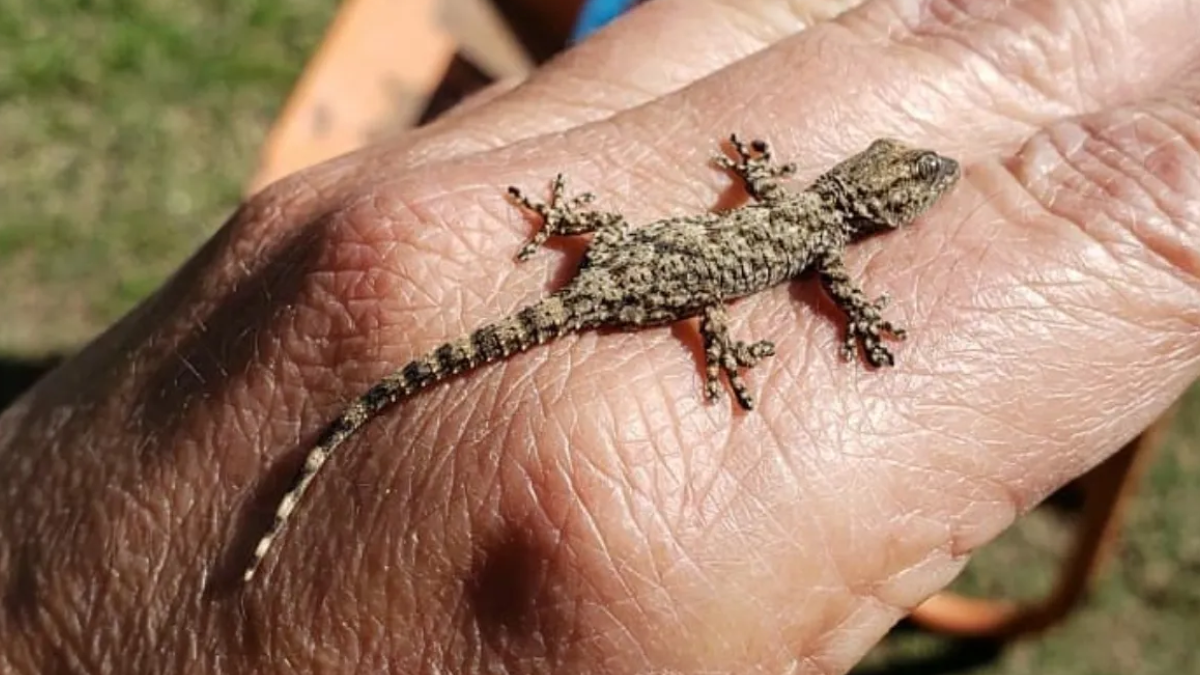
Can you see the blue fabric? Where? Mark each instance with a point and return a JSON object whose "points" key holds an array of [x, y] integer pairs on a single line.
{"points": [[595, 14]]}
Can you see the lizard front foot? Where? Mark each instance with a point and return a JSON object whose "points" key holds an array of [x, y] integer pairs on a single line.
{"points": [[560, 216], [865, 327], [757, 168]]}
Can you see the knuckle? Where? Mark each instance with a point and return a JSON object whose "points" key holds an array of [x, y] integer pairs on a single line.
{"points": [[1128, 180]]}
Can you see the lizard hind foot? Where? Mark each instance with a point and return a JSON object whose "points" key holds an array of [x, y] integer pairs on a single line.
{"points": [[722, 354]]}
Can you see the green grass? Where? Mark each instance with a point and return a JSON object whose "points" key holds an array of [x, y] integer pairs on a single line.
{"points": [[129, 127]]}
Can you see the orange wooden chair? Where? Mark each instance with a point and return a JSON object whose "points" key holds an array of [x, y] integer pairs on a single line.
{"points": [[385, 66]]}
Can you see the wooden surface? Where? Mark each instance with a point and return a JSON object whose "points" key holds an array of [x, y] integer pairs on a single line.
{"points": [[380, 68]]}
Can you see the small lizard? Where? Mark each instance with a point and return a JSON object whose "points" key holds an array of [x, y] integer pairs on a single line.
{"points": [[683, 267]]}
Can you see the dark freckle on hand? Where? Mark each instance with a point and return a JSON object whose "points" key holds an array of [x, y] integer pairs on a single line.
{"points": [[507, 593]]}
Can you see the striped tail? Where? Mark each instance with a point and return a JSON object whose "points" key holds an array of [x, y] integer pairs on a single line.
{"points": [[528, 328]]}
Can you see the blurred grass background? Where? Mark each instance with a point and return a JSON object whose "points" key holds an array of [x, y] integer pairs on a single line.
{"points": [[128, 128]]}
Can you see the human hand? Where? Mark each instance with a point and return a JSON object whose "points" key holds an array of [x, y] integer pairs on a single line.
{"points": [[581, 508]]}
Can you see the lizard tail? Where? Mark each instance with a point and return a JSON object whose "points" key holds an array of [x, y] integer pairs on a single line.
{"points": [[528, 328]]}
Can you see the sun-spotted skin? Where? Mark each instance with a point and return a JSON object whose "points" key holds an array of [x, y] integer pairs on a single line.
{"points": [[680, 268]]}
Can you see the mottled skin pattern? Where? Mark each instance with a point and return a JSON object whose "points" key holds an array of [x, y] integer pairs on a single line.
{"points": [[685, 267]]}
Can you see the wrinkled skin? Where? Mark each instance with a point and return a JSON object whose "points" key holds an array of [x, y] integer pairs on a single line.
{"points": [[580, 508]]}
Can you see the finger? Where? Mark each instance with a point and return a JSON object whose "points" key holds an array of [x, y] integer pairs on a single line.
{"points": [[1015, 73], [607, 74]]}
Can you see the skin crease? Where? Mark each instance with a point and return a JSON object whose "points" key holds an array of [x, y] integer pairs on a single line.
{"points": [[581, 508]]}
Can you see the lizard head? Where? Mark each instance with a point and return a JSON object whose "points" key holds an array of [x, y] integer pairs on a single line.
{"points": [[888, 185]]}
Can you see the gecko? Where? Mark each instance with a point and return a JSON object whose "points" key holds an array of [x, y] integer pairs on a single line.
{"points": [[681, 268]]}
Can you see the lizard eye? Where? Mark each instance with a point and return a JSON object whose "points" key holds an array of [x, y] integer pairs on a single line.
{"points": [[929, 165]]}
